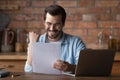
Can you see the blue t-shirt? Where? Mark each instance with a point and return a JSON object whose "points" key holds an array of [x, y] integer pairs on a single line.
{"points": [[70, 49]]}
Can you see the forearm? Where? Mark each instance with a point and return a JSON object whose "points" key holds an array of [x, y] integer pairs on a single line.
{"points": [[32, 39], [29, 56]]}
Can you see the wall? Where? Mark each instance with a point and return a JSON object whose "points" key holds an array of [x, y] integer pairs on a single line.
{"points": [[85, 18]]}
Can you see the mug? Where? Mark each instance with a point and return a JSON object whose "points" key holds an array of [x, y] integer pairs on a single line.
{"points": [[7, 40]]}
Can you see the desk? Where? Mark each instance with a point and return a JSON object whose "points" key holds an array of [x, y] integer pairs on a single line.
{"points": [[33, 76], [115, 75], [13, 61], [10, 61]]}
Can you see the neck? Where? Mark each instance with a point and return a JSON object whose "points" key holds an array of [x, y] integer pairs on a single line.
{"points": [[56, 39]]}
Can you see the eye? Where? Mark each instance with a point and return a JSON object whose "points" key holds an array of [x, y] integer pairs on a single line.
{"points": [[48, 23], [58, 24]]}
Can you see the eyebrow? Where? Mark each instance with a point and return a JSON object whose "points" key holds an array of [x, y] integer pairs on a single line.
{"points": [[53, 23]]}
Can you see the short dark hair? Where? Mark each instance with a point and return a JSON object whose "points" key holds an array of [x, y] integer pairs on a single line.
{"points": [[56, 10]]}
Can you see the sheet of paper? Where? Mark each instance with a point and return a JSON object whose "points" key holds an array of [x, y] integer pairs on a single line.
{"points": [[43, 57]]}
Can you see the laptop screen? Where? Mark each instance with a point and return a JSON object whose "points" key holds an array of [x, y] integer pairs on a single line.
{"points": [[95, 63]]}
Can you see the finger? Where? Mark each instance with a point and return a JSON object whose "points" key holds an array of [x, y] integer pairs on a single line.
{"points": [[58, 65]]}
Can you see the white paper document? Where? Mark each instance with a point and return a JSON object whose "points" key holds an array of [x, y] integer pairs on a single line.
{"points": [[43, 57]]}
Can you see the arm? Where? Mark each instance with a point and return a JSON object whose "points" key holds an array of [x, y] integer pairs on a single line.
{"points": [[32, 39], [75, 47]]}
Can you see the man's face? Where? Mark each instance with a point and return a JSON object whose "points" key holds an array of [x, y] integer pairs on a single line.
{"points": [[53, 26]]}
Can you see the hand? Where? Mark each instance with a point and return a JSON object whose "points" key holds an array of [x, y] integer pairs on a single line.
{"points": [[61, 65], [33, 37]]}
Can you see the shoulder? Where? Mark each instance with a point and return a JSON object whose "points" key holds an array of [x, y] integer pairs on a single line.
{"points": [[42, 38], [75, 40], [43, 35], [71, 37]]}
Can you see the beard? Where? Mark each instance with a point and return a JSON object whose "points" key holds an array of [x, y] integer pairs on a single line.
{"points": [[53, 34]]}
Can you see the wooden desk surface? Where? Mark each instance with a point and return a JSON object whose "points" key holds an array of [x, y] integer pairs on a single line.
{"points": [[115, 75], [33, 76], [23, 56]]}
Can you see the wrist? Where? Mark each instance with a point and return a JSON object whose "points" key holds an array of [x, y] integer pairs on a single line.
{"points": [[30, 44]]}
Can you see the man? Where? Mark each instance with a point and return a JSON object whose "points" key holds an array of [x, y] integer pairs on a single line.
{"points": [[54, 21]]}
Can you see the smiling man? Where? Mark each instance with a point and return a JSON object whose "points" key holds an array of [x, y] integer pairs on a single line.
{"points": [[53, 27], [54, 21]]}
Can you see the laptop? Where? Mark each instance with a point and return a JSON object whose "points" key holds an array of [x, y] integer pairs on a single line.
{"points": [[94, 63]]}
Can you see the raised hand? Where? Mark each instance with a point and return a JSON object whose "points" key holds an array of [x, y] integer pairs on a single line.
{"points": [[33, 37]]}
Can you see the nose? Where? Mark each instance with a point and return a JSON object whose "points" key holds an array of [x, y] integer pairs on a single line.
{"points": [[52, 27]]}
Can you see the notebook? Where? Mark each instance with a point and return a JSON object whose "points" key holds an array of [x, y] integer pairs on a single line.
{"points": [[43, 57], [94, 63]]}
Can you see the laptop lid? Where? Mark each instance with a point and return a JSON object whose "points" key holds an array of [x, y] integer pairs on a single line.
{"points": [[95, 63]]}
